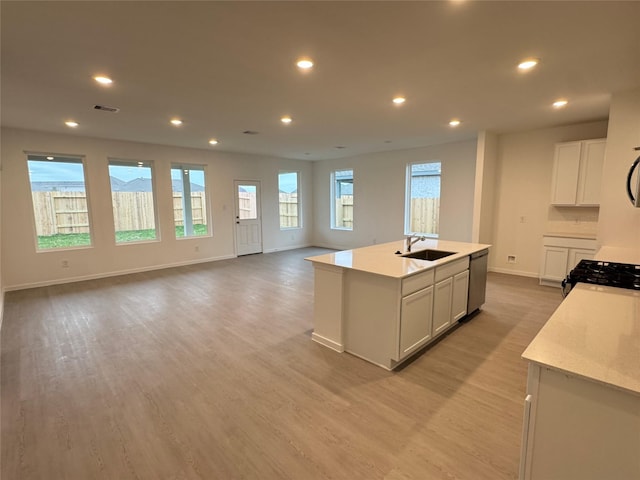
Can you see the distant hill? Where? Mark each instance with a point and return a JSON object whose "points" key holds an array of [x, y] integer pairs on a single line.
{"points": [[117, 185]]}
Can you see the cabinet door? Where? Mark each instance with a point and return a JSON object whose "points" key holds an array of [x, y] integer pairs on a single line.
{"points": [[415, 320], [442, 305], [566, 166], [459, 301], [554, 263], [577, 254], [591, 172]]}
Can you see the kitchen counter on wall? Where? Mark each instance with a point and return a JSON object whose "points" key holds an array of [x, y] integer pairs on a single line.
{"points": [[618, 254], [382, 259], [585, 236], [582, 408], [594, 334]]}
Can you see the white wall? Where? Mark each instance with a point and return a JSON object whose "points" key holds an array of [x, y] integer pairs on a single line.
{"points": [[379, 194], [485, 187], [23, 266], [522, 212], [619, 224]]}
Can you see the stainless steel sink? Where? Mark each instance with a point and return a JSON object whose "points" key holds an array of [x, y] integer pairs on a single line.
{"points": [[428, 254]]}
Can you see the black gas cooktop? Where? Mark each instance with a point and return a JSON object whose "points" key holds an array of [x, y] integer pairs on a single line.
{"points": [[621, 275]]}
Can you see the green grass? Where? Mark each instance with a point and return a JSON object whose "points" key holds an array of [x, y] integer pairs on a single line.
{"points": [[70, 240]]}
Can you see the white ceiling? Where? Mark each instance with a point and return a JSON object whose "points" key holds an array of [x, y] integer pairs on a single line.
{"points": [[227, 67]]}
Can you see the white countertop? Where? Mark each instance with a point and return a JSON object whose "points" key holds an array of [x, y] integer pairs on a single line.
{"points": [[586, 236], [382, 260], [607, 253], [594, 334]]}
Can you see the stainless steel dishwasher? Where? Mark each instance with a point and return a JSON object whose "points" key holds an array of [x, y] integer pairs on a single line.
{"points": [[477, 280]]}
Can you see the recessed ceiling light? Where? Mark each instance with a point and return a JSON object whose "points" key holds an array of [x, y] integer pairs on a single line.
{"points": [[560, 103], [399, 100], [304, 63], [103, 80], [528, 63], [176, 121], [455, 122], [49, 158], [71, 124], [213, 141], [286, 120]]}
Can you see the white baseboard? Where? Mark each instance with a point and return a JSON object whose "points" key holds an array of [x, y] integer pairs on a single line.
{"points": [[81, 278], [514, 272], [327, 342], [291, 247]]}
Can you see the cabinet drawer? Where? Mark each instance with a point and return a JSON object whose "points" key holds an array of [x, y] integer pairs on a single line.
{"points": [[416, 282], [450, 269]]}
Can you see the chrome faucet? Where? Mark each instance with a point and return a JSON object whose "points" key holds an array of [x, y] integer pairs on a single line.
{"points": [[413, 238]]}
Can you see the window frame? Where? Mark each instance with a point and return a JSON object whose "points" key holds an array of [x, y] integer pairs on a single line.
{"points": [[408, 197], [207, 201], [135, 163], [298, 200], [333, 198], [81, 159]]}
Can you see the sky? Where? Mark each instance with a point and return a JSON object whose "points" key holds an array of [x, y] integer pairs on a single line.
{"points": [[48, 171]]}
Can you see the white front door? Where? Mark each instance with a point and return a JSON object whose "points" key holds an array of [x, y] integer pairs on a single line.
{"points": [[248, 218]]}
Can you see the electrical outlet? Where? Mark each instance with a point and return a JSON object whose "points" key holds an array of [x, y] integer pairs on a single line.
{"points": [[511, 259], [64, 263]]}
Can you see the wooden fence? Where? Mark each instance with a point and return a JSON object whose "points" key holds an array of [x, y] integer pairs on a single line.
{"points": [[66, 212], [425, 215], [344, 211], [289, 210], [247, 205]]}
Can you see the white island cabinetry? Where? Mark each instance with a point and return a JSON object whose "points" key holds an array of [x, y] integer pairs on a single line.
{"points": [[384, 307], [450, 294]]}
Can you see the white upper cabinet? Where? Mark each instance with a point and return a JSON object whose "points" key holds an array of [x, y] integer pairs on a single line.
{"points": [[577, 173]]}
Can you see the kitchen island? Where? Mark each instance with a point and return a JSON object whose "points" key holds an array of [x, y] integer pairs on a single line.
{"points": [[582, 407], [381, 305]]}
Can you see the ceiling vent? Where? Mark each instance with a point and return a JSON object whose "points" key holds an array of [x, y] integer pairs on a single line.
{"points": [[250, 132], [104, 108]]}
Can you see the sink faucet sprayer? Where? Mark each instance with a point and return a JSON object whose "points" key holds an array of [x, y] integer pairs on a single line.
{"points": [[413, 238]]}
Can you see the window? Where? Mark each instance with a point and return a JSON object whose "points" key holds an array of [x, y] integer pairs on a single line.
{"points": [[59, 198], [189, 200], [133, 200], [288, 192], [342, 199], [422, 210]]}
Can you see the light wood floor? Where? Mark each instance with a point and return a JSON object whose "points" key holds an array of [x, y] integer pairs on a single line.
{"points": [[209, 372]]}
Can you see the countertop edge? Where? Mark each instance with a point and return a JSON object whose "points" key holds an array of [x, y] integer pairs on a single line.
{"points": [[370, 257]]}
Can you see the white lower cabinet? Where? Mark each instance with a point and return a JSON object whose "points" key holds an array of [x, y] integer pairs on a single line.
{"points": [[450, 294], [460, 295], [577, 254], [443, 293], [560, 255], [388, 319], [415, 320], [575, 428]]}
